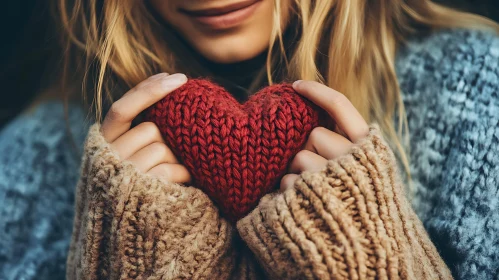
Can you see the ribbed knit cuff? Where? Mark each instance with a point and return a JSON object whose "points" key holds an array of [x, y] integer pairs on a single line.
{"points": [[132, 225], [349, 221]]}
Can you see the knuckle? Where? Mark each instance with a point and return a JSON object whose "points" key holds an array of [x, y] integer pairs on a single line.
{"points": [[301, 157], [116, 112], [146, 86], [149, 129], [317, 133], [337, 99], [117, 151], [288, 180], [159, 149]]}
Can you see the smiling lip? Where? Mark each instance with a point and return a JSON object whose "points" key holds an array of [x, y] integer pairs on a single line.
{"points": [[224, 17]]}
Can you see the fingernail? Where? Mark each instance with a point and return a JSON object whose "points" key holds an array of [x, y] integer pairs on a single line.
{"points": [[159, 75], [174, 80], [296, 83]]}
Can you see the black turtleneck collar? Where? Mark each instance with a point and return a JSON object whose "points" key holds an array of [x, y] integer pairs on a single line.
{"points": [[236, 77]]}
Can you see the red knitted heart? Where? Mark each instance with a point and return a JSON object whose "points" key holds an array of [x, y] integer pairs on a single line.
{"points": [[236, 153]]}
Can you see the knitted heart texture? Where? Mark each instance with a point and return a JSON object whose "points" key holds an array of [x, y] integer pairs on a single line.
{"points": [[236, 153]]}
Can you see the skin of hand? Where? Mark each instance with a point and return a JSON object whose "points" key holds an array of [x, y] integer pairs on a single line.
{"points": [[143, 144], [324, 144]]}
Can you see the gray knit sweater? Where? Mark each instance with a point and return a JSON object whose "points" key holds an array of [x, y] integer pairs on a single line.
{"points": [[450, 86]]}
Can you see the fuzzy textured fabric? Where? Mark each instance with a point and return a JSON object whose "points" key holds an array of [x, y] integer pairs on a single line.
{"points": [[450, 87], [350, 221], [236, 153], [38, 172], [130, 225]]}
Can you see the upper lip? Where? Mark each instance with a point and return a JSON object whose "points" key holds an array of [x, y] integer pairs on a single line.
{"points": [[219, 10]]}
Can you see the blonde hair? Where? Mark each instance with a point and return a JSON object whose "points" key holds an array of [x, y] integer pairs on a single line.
{"points": [[349, 45]]}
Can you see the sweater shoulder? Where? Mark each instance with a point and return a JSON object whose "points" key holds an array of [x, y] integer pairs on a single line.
{"points": [[44, 130], [37, 149], [444, 48], [38, 170], [461, 61], [449, 82], [450, 77]]}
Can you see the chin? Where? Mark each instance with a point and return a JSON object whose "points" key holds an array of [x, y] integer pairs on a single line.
{"points": [[232, 49], [223, 31]]}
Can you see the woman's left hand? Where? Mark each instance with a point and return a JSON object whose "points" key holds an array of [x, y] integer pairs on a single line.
{"points": [[324, 144]]}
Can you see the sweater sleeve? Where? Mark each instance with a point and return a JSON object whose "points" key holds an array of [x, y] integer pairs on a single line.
{"points": [[349, 221], [130, 225]]}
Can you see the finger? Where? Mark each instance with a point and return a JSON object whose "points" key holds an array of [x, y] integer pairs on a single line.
{"points": [[307, 161], [288, 181], [145, 94], [327, 143], [137, 138], [175, 173], [337, 106], [151, 156]]}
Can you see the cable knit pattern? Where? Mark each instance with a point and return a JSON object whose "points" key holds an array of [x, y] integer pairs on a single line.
{"points": [[130, 225], [450, 86], [350, 221]]}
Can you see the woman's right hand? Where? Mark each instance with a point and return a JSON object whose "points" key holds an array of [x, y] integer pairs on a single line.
{"points": [[143, 145]]}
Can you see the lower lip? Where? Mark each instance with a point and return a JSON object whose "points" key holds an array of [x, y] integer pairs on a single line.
{"points": [[228, 20]]}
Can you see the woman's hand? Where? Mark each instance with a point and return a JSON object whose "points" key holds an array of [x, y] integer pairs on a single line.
{"points": [[324, 144], [143, 145]]}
